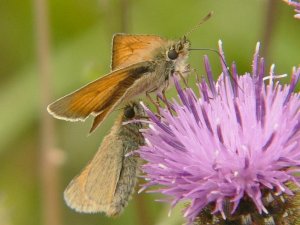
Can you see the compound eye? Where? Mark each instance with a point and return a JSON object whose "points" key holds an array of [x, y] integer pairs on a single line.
{"points": [[129, 112], [172, 54]]}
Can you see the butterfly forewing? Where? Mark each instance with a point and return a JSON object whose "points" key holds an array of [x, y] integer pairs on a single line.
{"points": [[93, 190], [98, 96], [105, 171], [76, 197]]}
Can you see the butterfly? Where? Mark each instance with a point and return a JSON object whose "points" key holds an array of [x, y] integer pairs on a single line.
{"points": [[108, 181], [141, 64]]}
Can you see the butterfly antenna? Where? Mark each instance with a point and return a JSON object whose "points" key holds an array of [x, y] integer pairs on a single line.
{"points": [[207, 17]]}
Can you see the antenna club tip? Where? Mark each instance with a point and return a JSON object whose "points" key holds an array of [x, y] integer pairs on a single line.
{"points": [[202, 21]]}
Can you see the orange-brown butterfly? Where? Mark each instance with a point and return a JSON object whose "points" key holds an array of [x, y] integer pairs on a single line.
{"points": [[141, 64]]}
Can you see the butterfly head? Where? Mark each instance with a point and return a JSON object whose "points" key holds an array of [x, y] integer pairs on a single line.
{"points": [[178, 52], [178, 49]]}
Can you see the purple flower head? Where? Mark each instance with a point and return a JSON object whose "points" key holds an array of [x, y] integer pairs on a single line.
{"points": [[240, 138], [296, 5]]}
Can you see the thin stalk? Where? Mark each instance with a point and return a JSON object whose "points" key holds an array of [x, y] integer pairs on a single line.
{"points": [[48, 160]]}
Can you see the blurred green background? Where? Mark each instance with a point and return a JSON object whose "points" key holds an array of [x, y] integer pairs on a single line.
{"points": [[39, 155]]}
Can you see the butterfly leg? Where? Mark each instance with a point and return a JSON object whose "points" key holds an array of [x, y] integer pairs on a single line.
{"points": [[156, 104], [159, 99], [183, 78], [165, 100]]}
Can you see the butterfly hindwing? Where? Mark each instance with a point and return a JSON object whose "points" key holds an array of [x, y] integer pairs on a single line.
{"points": [[131, 49]]}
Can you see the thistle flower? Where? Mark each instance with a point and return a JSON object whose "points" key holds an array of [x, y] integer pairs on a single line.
{"points": [[296, 5], [232, 153]]}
